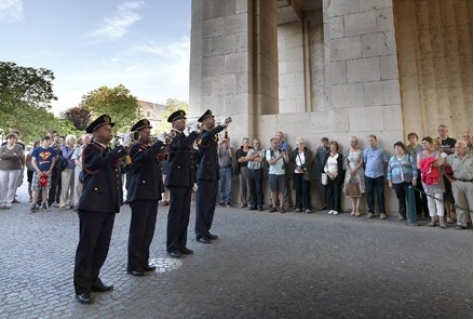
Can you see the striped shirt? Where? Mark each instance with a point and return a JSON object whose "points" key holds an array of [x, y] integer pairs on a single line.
{"points": [[402, 170]]}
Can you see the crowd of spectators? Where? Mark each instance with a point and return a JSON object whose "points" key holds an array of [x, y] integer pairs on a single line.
{"points": [[52, 168], [440, 168]]}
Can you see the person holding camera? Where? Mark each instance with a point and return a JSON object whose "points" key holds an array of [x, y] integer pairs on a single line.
{"points": [[225, 154], [277, 159]]}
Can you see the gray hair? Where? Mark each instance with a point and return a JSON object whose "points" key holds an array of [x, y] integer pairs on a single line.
{"points": [[69, 137], [300, 140]]}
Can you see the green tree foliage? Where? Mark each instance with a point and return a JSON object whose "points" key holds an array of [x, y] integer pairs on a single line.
{"points": [[122, 107], [172, 105], [78, 117], [25, 97], [33, 123]]}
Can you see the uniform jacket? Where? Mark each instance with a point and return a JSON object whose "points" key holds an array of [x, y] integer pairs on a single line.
{"points": [[181, 161], [145, 178], [208, 168], [102, 180]]}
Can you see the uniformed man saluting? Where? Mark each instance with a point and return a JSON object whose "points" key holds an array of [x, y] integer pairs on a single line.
{"points": [[143, 195], [207, 176], [100, 201], [180, 182]]}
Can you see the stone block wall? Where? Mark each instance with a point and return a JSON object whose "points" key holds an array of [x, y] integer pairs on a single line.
{"points": [[334, 72]]}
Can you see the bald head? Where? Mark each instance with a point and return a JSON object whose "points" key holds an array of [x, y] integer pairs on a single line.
{"points": [[460, 148], [467, 138]]}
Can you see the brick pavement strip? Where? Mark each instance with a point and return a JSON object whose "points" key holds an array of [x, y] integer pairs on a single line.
{"points": [[263, 266]]}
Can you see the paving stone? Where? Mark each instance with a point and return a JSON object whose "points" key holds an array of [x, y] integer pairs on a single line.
{"points": [[263, 266]]}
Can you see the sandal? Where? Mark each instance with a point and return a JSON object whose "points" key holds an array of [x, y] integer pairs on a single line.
{"points": [[352, 213], [432, 224], [357, 214], [459, 227], [443, 226]]}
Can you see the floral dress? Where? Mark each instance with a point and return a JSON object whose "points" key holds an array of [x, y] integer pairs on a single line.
{"points": [[353, 158]]}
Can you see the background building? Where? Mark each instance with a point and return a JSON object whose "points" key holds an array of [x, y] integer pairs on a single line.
{"points": [[152, 111]]}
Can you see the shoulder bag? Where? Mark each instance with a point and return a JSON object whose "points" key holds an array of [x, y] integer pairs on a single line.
{"points": [[352, 188]]}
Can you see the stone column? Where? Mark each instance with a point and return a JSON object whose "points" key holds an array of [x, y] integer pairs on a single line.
{"points": [[361, 61], [234, 59]]}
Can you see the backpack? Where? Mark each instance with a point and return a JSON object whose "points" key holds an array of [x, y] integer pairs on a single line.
{"points": [[60, 164]]}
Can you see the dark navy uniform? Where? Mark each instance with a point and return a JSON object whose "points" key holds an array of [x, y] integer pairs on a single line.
{"points": [[143, 195], [180, 182], [100, 201], [207, 180]]}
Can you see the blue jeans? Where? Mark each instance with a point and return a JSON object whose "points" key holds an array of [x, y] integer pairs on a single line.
{"points": [[371, 185], [225, 185]]}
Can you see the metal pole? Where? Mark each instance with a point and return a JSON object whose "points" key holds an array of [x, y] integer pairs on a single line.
{"points": [[412, 219]]}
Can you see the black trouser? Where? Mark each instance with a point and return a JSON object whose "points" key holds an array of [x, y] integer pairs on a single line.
{"points": [[255, 181], [95, 231], [375, 185], [178, 218], [142, 229], [333, 195], [55, 190], [302, 190], [421, 201], [205, 206], [401, 190]]}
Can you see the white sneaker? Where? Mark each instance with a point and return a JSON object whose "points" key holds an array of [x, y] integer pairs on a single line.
{"points": [[335, 212], [330, 212]]}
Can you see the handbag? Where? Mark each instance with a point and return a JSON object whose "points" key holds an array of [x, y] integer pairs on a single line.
{"points": [[306, 176], [352, 188], [324, 179], [60, 164]]}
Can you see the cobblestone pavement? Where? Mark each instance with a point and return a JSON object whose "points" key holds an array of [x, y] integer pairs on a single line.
{"points": [[263, 266]]}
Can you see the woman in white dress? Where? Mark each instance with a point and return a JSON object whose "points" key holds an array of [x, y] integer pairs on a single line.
{"points": [[354, 165]]}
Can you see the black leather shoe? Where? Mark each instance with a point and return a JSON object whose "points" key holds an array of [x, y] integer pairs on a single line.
{"points": [[85, 299], [211, 236], [138, 273], [186, 251], [101, 287], [253, 208], [149, 268], [203, 240], [175, 254]]}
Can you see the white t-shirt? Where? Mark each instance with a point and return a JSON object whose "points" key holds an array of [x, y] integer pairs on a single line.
{"points": [[300, 160], [279, 167], [331, 165]]}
